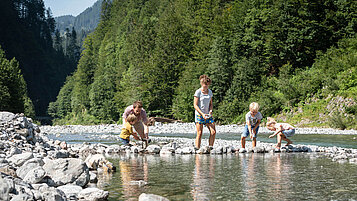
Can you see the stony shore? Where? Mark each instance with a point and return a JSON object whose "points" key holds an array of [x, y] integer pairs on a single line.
{"points": [[169, 145], [34, 167], [181, 128]]}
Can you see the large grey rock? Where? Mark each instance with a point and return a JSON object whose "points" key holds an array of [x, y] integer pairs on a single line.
{"points": [[20, 159], [58, 154], [217, 150], [22, 197], [35, 175], [71, 191], [93, 194], [188, 150], [151, 197], [65, 171], [52, 194], [167, 150], [29, 165], [6, 116], [153, 149], [93, 161], [4, 189], [113, 149]]}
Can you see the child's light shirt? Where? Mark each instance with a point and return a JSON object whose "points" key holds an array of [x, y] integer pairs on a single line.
{"points": [[203, 100], [126, 131], [253, 120], [284, 126]]}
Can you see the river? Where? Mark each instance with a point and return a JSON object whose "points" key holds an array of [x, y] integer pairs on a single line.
{"points": [[251, 176]]}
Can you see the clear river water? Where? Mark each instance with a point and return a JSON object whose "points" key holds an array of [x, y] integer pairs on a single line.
{"points": [[253, 176]]}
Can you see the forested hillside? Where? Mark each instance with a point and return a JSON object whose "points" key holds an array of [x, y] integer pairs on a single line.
{"points": [[83, 24], [26, 35], [13, 90], [85, 21], [283, 54]]}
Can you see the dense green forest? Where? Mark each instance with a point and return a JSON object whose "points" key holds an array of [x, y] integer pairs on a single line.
{"points": [[26, 36], [13, 89], [298, 59]]}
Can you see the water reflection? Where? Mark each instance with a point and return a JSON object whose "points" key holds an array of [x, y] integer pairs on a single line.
{"points": [[203, 177], [279, 176], [134, 174]]}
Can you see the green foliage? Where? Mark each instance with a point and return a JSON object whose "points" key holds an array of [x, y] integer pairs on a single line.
{"points": [[276, 53], [13, 91], [26, 34], [339, 121]]}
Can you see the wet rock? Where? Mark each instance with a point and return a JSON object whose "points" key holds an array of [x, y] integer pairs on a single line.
{"points": [[52, 194], [151, 197], [217, 150], [93, 161], [71, 191], [258, 149], [153, 149], [93, 194]]}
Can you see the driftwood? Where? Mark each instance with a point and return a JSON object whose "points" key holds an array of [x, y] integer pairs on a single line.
{"points": [[152, 120]]}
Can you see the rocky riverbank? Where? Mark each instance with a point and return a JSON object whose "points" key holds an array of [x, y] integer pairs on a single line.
{"points": [[168, 145], [34, 167], [181, 128]]}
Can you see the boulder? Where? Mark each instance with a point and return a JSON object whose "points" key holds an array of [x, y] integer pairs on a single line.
{"points": [[71, 191], [4, 189], [93, 194], [93, 161], [6, 116], [20, 159], [151, 197], [65, 171], [153, 149], [29, 165], [35, 175], [52, 194]]}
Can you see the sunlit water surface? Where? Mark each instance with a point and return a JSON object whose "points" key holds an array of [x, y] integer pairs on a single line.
{"points": [[279, 176]]}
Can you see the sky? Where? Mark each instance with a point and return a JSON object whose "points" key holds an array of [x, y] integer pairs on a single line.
{"points": [[68, 7]]}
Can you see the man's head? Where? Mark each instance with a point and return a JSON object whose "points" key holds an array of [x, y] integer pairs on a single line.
{"points": [[137, 105]]}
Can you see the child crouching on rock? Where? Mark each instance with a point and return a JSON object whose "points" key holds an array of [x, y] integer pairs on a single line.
{"points": [[127, 130], [283, 130]]}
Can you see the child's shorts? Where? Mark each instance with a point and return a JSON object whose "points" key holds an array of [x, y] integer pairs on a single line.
{"points": [[124, 141], [246, 131], [199, 119], [288, 133]]}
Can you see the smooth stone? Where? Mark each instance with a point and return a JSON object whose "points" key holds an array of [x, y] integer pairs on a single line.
{"points": [[64, 171], [151, 197], [92, 194], [153, 149], [20, 159], [35, 175], [71, 191]]}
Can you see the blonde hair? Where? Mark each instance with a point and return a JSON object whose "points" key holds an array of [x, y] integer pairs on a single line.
{"points": [[131, 118], [254, 106], [270, 122], [205, 79]]}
